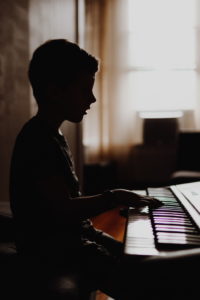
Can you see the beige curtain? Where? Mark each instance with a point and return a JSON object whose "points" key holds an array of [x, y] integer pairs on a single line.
{"points": [[110, 128]]}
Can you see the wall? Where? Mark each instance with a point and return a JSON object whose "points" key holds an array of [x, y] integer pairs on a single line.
{"points": [[14, 90], [24, 25]]}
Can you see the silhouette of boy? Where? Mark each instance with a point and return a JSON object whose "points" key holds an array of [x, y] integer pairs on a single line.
{"points": [[51, 216]]}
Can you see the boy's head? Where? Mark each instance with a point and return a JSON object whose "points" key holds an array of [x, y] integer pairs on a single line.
{"points": [[58, 63]]}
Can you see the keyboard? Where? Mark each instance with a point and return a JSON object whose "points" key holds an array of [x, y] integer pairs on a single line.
{"points": [[174, 225]]}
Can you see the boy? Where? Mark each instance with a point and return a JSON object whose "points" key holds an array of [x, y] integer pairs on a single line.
{"points": [[51, 215]]}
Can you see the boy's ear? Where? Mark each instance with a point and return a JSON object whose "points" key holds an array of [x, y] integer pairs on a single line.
{"points": [[53, 91]]}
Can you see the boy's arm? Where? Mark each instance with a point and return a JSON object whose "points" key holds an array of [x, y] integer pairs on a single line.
{"points": [[56, 201]]}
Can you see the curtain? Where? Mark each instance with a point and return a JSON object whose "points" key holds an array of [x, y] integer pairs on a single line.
{"points": [[110, 129]]}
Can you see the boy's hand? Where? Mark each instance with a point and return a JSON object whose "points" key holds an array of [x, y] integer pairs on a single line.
{"points": [[131, 199]]}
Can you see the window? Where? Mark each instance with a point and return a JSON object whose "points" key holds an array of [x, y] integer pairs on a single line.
{"points": [[163, 54]]}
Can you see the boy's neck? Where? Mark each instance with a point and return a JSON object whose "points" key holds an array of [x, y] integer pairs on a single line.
{"points": [[51, 118]]}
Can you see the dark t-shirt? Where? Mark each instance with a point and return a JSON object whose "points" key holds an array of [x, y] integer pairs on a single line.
{"points": [[41, 152]]}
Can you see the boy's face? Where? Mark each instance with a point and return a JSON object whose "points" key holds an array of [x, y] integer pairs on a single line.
{"points": [[76, 99]]}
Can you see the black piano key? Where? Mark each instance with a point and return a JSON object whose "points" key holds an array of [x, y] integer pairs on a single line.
{"points": [[167, 208], [175, 228], [162, 213], [171, 226], [170, 221], [164, 205], [178, 236], [171, 217], [169, 214], [170, 203], [156, 226]]}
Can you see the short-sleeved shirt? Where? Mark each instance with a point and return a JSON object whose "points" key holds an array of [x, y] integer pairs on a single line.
{"points": [[41, 152]]}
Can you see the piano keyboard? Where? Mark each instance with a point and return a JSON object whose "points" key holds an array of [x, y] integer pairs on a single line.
{"points": [[171, 224], [168, 227]]}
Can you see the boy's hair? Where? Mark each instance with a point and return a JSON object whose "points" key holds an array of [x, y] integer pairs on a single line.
{"points": [[59, 62]]}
